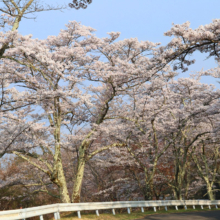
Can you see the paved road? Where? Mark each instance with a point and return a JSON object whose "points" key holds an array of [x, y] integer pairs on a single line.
{"points": [[210, 215]]}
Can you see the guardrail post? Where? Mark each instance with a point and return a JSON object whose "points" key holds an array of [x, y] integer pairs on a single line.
{"points": [[97, 212], [41, 217], [142, 209], [55, 216], [216, 206], [155, 209], [113, 211], [194, 207], [58, 215], [185, 207], [201, 206], [166, 208], [176, 207], [129, 211], [78, 213]]}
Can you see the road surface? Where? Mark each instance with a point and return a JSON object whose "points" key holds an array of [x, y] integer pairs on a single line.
{"points": [[209, 215]]}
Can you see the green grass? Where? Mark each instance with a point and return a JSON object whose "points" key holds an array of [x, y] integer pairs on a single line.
{"points": [[136, 214]]}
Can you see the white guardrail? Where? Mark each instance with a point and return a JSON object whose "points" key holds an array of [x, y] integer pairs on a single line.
{"points": [[66, 207]]}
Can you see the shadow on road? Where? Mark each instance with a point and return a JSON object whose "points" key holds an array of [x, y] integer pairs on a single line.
{"points": [[210, 215]]}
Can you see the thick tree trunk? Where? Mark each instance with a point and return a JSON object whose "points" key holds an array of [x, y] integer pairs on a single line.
{"points": [[78, 181], [210, 192], [177, 194], [64, 194]]}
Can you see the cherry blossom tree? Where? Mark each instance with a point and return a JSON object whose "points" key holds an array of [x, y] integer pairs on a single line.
{"points": [[83, 94], [15, 10], [165, 121], [200, 104], [52, 71], [186, 41], [206, 157]]}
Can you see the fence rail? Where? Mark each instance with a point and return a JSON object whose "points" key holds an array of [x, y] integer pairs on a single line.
{"points": [[96, 206]]}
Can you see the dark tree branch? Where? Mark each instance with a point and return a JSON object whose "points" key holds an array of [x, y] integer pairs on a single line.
{"points": [[77, 4]]}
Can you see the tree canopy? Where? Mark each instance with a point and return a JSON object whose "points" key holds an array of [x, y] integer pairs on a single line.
{"points": [[106, 115]]}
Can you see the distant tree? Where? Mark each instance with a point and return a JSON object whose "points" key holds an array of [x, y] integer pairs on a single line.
{"points": [[23, 186]]}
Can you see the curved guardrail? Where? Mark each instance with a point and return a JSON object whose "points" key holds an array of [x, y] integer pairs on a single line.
{"points": [[66, 207]]}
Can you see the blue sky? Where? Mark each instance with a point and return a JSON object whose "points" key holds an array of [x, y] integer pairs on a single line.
{"points": [[144, 19]]}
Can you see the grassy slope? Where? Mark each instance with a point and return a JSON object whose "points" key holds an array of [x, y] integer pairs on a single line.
{"points": [[125, 216]]}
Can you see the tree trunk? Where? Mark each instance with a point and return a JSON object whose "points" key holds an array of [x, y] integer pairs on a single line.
{"points": [[64, 194], [177, 194], [78, 181], [147, 192], [210, 192]]}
